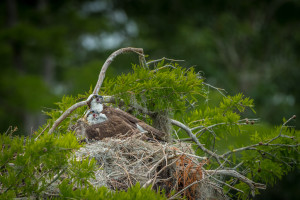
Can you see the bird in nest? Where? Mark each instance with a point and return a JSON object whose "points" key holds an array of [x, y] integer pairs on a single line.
{"points": [[104, 121]]}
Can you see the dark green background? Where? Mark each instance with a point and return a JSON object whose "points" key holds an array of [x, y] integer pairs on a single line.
{"points": [[52, 48]]}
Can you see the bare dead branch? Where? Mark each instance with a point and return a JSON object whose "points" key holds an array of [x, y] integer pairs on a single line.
{"points": [[128, 176], [255, 145], [283, 125], [164, 58], [109, 60], [42, 132], [220, 90], [187, 187], [195, 139], [224, 183], [163, 67], [66, 114]]}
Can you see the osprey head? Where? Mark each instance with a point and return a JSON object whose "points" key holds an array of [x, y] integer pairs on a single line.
{"points": [[94, 101], [91, 115], [94, 117]]}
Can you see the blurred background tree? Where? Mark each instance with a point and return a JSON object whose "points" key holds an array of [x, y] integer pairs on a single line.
{"points": [[52, 48]]}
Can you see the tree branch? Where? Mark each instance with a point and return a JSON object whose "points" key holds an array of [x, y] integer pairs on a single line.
{"points": [[163, 67], [250, 147], [283, 125], [110, 59], [164, 58], [242, 178], [195, 139], [66, 114]]}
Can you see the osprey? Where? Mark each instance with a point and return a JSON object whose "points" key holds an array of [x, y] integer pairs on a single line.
{"points": [[105, 121]]}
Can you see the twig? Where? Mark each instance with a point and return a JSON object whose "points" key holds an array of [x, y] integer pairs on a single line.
{"points": [[218, 89], [238, 165], [211, 126], [255, 145], [167, 166], [163, 67], [148, 182], [55, 179], [11, 130], [187, 187], [283, 125], [125, 172], [142, 60], [109, 60], [155, 166], [242, 178], [140, 160], [227, 184], [273, 156], [192, 155], [42, 132], [153, 180], [164, 58]]}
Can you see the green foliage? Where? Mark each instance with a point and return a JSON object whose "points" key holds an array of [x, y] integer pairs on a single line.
{"points": [[28, 166], [82, 170], [135, 192], [158, 89]]}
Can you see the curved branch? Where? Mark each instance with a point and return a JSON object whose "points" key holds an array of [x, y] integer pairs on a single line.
{"points": [[110, 59], [66, 114]]}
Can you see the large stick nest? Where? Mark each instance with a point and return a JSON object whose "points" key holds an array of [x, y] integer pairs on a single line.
{"points": [[125, 160]]}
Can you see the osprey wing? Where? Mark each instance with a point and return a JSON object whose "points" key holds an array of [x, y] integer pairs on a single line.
{"points": [[114, 126], [109, 112], [133, 121]]}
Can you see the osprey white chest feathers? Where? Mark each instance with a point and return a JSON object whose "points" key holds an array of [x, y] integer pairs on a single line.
{"points": [[96, 106]]}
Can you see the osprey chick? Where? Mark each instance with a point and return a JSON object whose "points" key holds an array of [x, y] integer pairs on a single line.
{"points": [[94, 117]]}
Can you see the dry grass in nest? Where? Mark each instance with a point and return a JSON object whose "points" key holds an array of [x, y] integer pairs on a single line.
{"points": [[125, 160]]}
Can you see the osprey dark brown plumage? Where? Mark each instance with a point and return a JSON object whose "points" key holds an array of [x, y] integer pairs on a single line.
{"points": [[110, 128], [132, 121]]}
